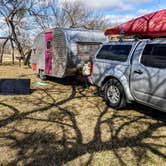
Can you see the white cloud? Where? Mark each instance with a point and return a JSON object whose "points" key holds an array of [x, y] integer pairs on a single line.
{"points": [[111, 4], [144, 11], [43, 2], [106, 4], [119, 19]]}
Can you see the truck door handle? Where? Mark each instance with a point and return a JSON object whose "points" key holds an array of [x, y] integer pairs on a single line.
{"points": [[138, 72]]}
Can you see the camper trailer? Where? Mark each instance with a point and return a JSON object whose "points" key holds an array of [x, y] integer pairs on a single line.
{"points": [[63, 52]]}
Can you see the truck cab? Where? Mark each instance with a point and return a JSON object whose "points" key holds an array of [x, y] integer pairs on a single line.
{"points": [[127, 71]]}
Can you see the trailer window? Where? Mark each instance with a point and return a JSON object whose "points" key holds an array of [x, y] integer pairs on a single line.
{"points": [[154, 55], [87, 49], [115, 52], [48, 45]]}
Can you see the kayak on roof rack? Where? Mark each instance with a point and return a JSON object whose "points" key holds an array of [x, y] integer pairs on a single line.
{"points": [[149, 25]]}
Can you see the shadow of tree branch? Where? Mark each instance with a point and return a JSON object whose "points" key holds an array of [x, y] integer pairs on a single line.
{"points": [[48, 149]]}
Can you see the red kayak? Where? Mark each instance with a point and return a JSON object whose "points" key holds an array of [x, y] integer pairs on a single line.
{"points": [[149, 25]]}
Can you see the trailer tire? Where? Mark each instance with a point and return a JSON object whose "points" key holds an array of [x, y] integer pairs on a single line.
{"points": [[42, 76], [114, 94]]}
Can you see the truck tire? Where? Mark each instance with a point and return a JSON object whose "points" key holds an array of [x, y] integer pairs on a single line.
{"points": [[114, 94], [42, 76]]}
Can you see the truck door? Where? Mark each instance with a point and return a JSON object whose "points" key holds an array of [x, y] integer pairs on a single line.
{"points": [[148, 75], [48, 53]]}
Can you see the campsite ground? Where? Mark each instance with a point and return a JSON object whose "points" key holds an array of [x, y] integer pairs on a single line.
{"points": [[64, 122]]}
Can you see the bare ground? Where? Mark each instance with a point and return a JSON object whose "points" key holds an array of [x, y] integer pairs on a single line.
{"points": [[66, 123]]}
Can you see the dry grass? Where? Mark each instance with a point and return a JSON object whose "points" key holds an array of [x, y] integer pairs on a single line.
{"points": [[65, 123]]}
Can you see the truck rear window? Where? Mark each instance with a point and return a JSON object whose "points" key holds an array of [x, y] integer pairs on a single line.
{"points": [[114, 52]]}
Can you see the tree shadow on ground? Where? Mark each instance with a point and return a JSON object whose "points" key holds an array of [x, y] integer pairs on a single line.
{"points": [[148, 111], [42, 148], [70, 80]]}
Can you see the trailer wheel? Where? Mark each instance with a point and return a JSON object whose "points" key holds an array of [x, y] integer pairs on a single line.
{"points": [[114, 94], [42, 76]]}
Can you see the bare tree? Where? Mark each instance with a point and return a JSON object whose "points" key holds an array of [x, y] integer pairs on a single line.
{"points": [[14, 14], [80, 16], [23, 17], [68, 14]]}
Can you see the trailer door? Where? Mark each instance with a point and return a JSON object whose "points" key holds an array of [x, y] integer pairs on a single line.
{"points": [[48, 53]]}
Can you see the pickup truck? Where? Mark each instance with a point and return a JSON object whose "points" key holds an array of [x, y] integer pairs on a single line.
{"points": [[127, 71]]}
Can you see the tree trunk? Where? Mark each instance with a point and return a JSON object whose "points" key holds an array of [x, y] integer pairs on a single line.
{"points": [[3, 47], [20, 49], [12, 50], [27, 59]]}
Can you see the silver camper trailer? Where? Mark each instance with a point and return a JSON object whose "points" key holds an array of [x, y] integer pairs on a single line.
{"points": [[63, 52]]}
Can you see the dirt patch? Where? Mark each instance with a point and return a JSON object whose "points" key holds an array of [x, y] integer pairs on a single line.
{"points": [[63, 122]]}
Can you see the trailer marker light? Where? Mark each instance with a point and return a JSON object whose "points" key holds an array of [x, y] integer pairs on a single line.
{"points": [[34, 66]]}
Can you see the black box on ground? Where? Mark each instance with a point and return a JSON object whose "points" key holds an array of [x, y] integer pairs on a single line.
{"points": [[14, 86]]}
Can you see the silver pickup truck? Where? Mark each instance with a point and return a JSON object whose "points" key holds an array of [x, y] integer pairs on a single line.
{"points": [[132, 71]]}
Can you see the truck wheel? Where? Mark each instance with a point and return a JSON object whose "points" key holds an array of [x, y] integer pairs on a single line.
{"points": [[42, 76], [114, 94]]}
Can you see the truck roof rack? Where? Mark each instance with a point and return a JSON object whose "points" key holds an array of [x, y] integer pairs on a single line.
{"points": [[121, 38], [137, 37]]}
